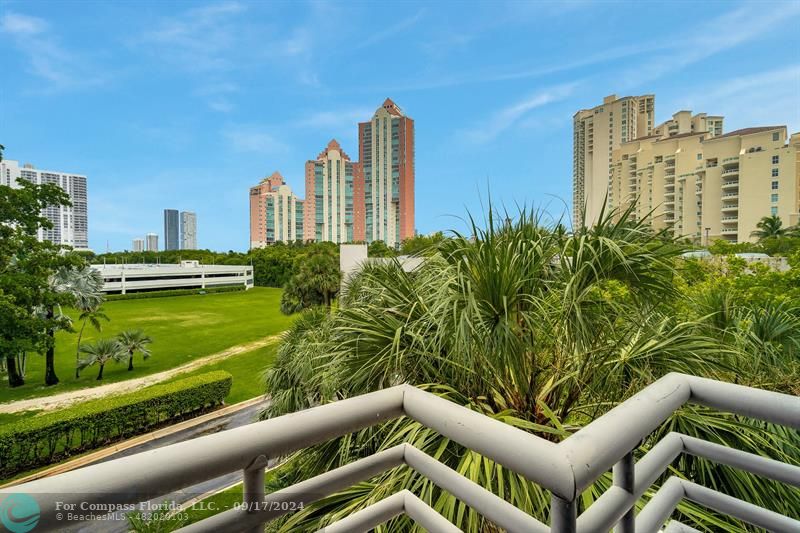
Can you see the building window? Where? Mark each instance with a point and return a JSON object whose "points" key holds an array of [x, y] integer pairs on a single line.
{"points": [[774, 185], [776, 136], [699, 157], [775, 159], [774, 172], [774, 197], [774, 210]]}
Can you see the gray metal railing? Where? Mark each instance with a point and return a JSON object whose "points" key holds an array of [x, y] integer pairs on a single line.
{"points": [[565, 469]]}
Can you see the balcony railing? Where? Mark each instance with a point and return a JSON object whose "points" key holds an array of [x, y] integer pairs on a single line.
{"points": [[730, 171], [566, 469]]}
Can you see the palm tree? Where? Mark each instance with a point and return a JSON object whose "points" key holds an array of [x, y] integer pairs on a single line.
{"points": [[533, 326], [101, 352], [82, 287], [133, 341], [771, 226], [93, 315]]}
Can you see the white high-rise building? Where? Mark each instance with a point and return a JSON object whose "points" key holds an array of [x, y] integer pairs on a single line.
{"points": [[138, 244], [152, 242], [188, 230], [70, 224]]}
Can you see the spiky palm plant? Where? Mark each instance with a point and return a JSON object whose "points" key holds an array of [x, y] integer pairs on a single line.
{"points": [[132, 341], [100, 353], [541, 329]]}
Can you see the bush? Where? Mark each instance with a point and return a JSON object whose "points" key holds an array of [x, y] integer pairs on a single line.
{"points": [[173, 292], [44, 439]]}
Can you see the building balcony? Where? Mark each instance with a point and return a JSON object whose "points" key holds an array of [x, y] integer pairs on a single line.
{"points": [[730, 219], [669, 162], [730, 184], [730, 160], [565, 469], [730, 171], [730, 207], [730, 230], [730, 195]]}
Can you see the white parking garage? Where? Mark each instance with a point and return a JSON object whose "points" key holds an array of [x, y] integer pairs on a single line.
{"points": [[127, 278]]}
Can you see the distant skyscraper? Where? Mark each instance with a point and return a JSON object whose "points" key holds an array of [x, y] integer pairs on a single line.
{"points": [[276, 215], [138, 244], [171, 229], [596, 133], [334, 197], [188, 230], [70, 224], [386, 151], [152, 242]]}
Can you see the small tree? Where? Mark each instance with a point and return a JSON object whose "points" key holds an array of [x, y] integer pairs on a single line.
{"points": [[27, 266], [133, 341], [767, 227], [315, 282], [100, 353], [93, 315]]}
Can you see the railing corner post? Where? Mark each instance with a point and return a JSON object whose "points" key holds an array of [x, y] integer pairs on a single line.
{"points": [[253, 487], [563, 515], [625, 478]]}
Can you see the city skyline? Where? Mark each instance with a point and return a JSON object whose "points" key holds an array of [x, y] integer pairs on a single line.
{"points": [[493, 100]]}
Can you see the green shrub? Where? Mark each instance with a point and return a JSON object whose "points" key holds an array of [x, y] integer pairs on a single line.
{"points": [[173, 292], [41, 440]]}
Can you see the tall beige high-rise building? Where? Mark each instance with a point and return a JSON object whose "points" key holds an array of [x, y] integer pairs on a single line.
{"points": [[334, 197], [276, 214], [705, 184], [596, 133]]}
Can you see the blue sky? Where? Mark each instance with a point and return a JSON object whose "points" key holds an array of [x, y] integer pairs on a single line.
{"points": [[187, 104]]}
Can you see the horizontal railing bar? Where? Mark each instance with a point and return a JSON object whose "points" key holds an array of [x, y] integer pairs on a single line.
{"points": [[425, 516], [378, 513], [150, 474], [612, 505], [370, 517], [536, 459], [485, 503], [660, 507], [595, 449], [769, 406], [752, 514], [305, 493], [755, 464], [609, 508]]}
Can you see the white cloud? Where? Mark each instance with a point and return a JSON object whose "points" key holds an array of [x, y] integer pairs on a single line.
{"points": [[201, 38], [505, 118], [335, 120], [47, 59], [249, 138], [741, 25], [19, 24]]}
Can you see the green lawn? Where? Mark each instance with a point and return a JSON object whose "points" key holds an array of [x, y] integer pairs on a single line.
{"points": [[247, 370], [182, 328]]}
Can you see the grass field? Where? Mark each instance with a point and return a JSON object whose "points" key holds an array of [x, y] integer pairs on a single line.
{"points": [[183, 328]]}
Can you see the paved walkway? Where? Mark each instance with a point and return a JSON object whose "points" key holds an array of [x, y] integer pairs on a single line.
{"points": [[56, 401]]}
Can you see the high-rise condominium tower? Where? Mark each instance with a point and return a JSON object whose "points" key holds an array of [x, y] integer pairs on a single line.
{"points": [[171, 229], [386, 150], [596, 133], [70, 224], [151, 242], [706, 185], [188, 230], [276, 215], [138, 245], [334, 197]]}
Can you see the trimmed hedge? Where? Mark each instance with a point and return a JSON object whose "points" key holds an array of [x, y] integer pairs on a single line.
{"points": [[173, 292], [44, 439]]}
